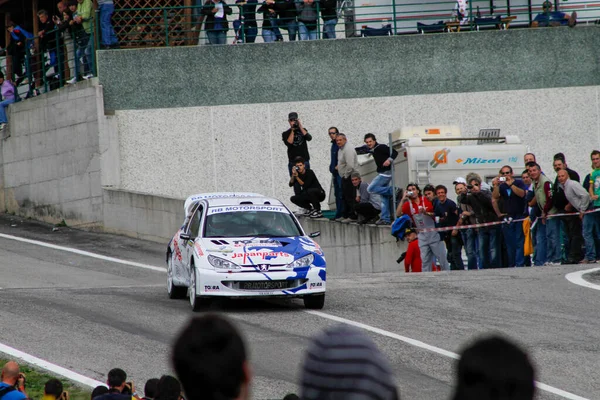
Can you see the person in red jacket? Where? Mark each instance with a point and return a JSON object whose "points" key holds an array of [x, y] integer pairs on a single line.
{"points": [[412, 260]]}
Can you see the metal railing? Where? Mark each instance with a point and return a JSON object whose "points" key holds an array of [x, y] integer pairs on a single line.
{"points": [[52, 60], [177, 26]]}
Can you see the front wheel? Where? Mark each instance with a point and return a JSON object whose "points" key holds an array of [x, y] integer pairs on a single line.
{"points": [[174, 292], [314, 302], [197, 303]]}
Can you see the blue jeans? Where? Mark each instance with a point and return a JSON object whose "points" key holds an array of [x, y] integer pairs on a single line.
{"points": [[84, 55], [337, 190], [216, 37], [488, 246], [553, 243], [292, 29], [329, 28], [591, 232], [469, 241], [514, 238], [107, 31], [381, 186], [268, 37], [275, 28], [541, 241], [305, 33], [3, 105]]}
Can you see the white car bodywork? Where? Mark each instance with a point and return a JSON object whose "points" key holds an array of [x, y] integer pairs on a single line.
{"points": [[263, 261]]}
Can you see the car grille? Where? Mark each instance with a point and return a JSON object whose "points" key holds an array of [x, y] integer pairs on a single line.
{"points": [[264, 285]]}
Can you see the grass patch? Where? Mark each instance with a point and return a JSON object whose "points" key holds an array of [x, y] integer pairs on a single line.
{"points": [[36, 379]]}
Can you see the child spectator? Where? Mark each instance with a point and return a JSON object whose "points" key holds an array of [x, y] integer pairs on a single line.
{"points": [[412, 260]]}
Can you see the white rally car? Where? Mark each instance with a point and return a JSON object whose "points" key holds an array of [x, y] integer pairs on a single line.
{"points": [[243, 245]]}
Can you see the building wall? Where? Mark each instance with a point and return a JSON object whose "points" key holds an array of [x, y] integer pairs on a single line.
{"points": [[175, 152]]}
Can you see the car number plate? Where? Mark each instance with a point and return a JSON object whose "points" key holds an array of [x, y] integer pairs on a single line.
{"points": [[263, 285]]}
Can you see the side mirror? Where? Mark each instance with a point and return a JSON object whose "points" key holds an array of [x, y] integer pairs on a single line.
{"points": [[184, 236], [315, 234]]}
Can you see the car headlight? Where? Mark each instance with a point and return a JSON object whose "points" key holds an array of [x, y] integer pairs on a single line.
{"points": [[221, 263], [302, 262]]}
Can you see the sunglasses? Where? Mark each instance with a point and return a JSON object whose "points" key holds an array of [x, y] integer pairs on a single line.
{"points": [[475, 184], [505, 172]]}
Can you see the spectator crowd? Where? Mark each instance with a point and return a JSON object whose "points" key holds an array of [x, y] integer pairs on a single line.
{"points": [[517, 219], [210, 359]]}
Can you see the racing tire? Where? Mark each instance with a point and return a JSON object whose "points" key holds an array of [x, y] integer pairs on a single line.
{"points": [[314, 302], [196, 302], [174, 292]]}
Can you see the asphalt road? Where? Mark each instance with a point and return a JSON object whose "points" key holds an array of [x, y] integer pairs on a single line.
{"points": [[91, 315]]}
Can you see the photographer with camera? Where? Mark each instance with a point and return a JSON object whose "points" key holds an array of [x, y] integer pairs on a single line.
{"points": [[483, 209], [310, 194], [295, 140], [510, 195], [420, 209], [12, 386]]}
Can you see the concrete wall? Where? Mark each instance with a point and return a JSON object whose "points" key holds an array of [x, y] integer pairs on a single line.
{"points": [[174, 152], [51, 159], [354, 68]]}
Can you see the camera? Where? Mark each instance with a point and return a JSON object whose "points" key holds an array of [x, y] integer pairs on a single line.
{"points": [[502, 179], [409, 193], [297, 168], [295, 123], [469, 187]]}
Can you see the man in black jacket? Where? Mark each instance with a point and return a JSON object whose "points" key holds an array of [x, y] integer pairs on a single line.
{"points": [[308, 191], [48, 35], [381, 185], [286, 9], [329, 16], [481, 202]]}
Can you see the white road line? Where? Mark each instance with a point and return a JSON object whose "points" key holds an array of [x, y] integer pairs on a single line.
{"points": [[417, 343], [83, 253], [577, 278], [422, 345], [67, 373]]}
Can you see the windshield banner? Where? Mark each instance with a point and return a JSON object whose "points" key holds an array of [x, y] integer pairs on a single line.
{"points": [[246, 207]]}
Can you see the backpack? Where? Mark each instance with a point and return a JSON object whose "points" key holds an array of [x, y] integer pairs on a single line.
{"points": [[399, 226], [6, 390]]}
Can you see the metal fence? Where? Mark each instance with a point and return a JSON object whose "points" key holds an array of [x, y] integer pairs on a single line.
{"points": [[247, 21], [51, 60]]}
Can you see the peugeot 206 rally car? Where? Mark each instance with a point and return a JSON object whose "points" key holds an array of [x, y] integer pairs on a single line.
{"points": [[243, 245]]}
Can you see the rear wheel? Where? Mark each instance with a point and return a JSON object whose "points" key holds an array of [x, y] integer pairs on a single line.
{"points": [[174, 292], [197, 303], [314, 302]]}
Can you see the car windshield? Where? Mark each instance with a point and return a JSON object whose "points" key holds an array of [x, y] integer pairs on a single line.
{"points": [[250, 224]]}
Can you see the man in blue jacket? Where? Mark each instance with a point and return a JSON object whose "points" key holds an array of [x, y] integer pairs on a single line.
{"points": [[12, 386], [336, 179], [381, 185]]}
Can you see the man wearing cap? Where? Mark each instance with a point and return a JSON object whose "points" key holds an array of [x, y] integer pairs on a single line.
{"points": [[553, 18], [295, 140]]}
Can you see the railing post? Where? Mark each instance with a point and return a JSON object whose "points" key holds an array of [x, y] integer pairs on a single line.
{"points": [[243, 25], [94, 40], [166, 19], [394, 205], [28, 67], [394, 16], [471, 24], [59, 58], [319, 36]]}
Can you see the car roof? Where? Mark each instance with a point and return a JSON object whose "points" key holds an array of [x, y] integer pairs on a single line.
{"points": [[193, 199], [235, 201]]}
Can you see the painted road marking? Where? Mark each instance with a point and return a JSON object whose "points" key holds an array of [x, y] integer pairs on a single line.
{"points": [[577, 278], [422, 345], [83, 253], [47, 365], [405, 339]]}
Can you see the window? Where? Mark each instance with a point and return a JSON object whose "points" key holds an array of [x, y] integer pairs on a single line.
{"points": [[195, 223]]}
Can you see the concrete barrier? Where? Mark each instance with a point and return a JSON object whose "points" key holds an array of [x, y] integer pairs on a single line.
{"points": [[352, 248]]}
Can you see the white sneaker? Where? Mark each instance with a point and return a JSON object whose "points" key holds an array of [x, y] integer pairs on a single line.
{"points": [[2, 126], [88, 76], [72, 81], [50, 73]]}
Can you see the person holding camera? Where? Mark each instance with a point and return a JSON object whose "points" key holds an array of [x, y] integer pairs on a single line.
{"points": [[310, 193], [420, 209], [118, 387], [483, 209], [510, 195], [296, 139], [12, 386], [216, 25]]}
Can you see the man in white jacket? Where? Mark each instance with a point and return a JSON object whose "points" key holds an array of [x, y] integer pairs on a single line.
{"points": [[347, 164], [579, 199]]}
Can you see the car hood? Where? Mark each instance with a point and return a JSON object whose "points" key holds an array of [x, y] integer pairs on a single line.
{"points": [[257, 251]]}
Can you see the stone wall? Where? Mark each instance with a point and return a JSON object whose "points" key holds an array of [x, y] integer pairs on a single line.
{"points": [[270, 73], [51, 158]]}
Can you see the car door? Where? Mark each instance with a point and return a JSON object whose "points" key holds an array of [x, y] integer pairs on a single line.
{"points": [[193, 231]]}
